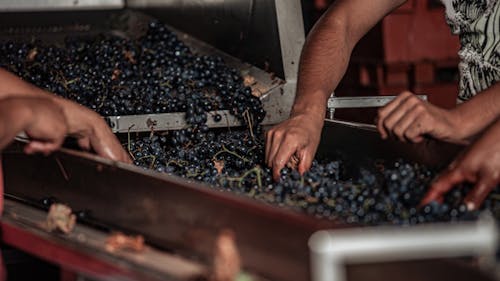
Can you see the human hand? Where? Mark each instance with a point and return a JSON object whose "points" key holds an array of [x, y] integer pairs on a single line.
{"points": [[298, 136], [83, 123], [480, 164], [92, 131], [409, 118], [46, 124]]}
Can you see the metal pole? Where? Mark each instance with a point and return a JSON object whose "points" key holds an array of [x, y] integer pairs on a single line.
{"points": [[331, 250]]}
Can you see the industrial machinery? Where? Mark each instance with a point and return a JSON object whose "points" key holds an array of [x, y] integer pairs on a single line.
{"points": [[182, 221]]}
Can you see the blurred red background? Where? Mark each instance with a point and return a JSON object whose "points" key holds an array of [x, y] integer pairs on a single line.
{"points": [[410, 49]]}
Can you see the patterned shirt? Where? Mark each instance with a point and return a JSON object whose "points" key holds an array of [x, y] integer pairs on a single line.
{"points": [[477, 23]]}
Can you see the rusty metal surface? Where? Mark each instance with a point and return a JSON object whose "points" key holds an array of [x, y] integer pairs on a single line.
{"points": [[82, 253], [83, 250], [172, 214]]}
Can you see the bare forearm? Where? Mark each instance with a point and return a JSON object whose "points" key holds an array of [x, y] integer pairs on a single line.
{"points": [[13, 86], [88, 126], [493, 132], [327, 50], [323, 63], [479, 112]]}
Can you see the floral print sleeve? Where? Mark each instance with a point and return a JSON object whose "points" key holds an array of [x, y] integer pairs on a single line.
{"points": [[477, 23]]}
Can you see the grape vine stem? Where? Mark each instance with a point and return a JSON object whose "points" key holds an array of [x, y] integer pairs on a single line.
{"points": [[258, 173], [129, 148], [225, 150]]}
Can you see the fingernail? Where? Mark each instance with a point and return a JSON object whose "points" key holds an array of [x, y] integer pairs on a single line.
{"points": [[470, 206]]}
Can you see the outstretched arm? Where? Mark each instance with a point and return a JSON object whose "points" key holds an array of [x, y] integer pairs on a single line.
{"points": [[480, 164], [39, 117], [90, 129], [323, 63]]}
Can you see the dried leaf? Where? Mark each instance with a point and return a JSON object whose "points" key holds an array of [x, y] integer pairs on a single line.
{"points": [[60, 218], [120, 241], [256, 92], [32, 55], [130, 57], [310, 199], [116, 74], [219, 166], [248, 80]]}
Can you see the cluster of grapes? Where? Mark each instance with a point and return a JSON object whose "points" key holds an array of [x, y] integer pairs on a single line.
{"points": [[157, 73], [376, 193]]}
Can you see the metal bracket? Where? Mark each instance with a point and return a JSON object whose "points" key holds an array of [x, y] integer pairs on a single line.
{"points": [[360, 102], [165, 121], [331, 250]]}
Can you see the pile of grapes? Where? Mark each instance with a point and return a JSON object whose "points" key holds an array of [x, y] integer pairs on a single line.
{"points": [[157, 73], [376, 193]]}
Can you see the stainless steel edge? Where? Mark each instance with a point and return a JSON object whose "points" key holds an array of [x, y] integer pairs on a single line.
{"points": [[356, 125], [332, 250], [149, 3], [277, 105], [360, 102], [292, 38], [165, 122], [54, 5]]}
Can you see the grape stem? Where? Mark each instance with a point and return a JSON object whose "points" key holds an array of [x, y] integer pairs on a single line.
{"points": [[195, 174], [252, 148], [258, 173], [152, 162], [166, 83], [177, 162], [248, 119], [104, 97], [225, 150], [129, 144], [72, 81]]}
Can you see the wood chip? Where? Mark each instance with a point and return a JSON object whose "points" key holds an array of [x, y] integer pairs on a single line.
{"points": [[248, 80], [32, 55], [310, 199], [116, 74], [119, 241], [130, 57], [60, 218], [219, 166]]}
